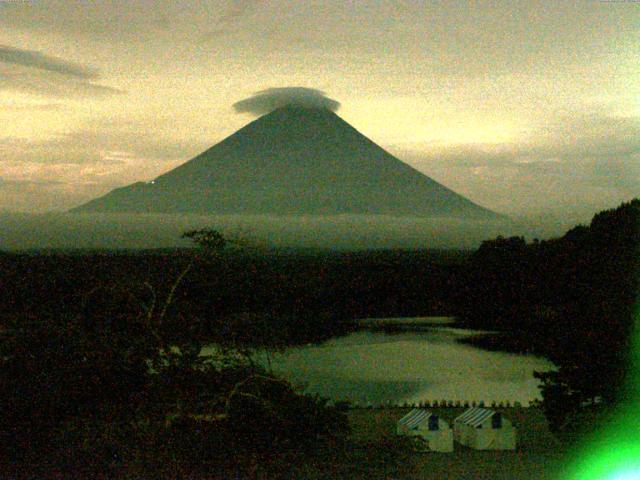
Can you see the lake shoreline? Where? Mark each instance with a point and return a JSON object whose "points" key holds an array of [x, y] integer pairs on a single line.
{"points": [[408, 361], [488, 340], [505, 342]]}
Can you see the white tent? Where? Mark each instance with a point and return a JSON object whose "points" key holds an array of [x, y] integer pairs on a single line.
{"points": [[432, 429], [484, 429]]}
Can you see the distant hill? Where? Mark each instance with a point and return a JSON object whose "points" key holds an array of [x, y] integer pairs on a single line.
{"points": [[292, 161]]}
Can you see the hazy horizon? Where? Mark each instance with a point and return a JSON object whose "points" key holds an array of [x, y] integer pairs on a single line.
{"points": [[40, 231]]}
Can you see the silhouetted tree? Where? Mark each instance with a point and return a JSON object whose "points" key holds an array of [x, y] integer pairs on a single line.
{"points": [[570, 299], [124, 388]]}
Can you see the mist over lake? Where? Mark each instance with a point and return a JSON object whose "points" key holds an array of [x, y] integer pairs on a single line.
{"points": [[22, 231]]}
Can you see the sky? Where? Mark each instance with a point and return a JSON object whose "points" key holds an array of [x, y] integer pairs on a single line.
{"points": [[527, 108]]}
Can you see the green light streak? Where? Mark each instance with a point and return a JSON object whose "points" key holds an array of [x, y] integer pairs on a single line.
{"points": [[613, 452]]}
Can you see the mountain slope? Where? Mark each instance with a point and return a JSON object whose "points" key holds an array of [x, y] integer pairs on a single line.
{"points": [[292, 161]]}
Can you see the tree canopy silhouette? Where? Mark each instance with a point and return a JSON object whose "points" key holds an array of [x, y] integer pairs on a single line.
{"points": [[570, 299]]}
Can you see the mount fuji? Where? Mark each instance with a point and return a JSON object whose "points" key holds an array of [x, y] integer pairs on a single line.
{"points": [[292, 161]]}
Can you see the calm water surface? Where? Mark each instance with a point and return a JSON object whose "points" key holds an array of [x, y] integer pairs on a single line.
{"points": [[421, 363]]}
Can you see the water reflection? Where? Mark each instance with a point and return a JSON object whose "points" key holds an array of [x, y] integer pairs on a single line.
{"points": [[411, 366]]}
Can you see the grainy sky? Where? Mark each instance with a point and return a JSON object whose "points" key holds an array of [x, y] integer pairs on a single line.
{"points": [[525, 107]]}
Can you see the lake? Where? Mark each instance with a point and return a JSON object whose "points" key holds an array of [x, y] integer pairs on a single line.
{"points": [[421, 360]]}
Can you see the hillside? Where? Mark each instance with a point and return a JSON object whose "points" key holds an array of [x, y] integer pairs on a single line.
{"points": [[292, 161]]}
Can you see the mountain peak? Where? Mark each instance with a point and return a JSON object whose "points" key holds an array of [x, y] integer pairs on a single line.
{"points": [[294, 107], [301, 113], [295, 160]]}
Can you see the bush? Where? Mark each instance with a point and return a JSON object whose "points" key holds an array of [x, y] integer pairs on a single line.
{"points": [[122, 390]]}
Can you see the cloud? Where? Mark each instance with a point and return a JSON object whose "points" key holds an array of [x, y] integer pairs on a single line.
{"points": [[102, 18], [586, 162], [266, 101], [52, 87], [62, 170], [33, 59], [135, 21], [30, 107], [31, 72], [96, 145], [229, 18], [38, 196], [34, 183], [237, 9], [593, 135], [68, 169], [565, 139], [84, 164]]}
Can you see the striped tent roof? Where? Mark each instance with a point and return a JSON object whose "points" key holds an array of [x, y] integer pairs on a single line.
{"points": [[475, 416], [414, 417]]}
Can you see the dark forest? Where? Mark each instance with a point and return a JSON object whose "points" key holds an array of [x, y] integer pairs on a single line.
{"points": [[100, 351]]}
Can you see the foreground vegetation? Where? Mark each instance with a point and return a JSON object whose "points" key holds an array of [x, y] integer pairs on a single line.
{"points": [[101, 372], [301, 296], [569, 299], [119, 388]]}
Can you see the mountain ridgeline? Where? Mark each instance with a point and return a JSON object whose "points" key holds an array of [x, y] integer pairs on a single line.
{"points": [[292, 161]]}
